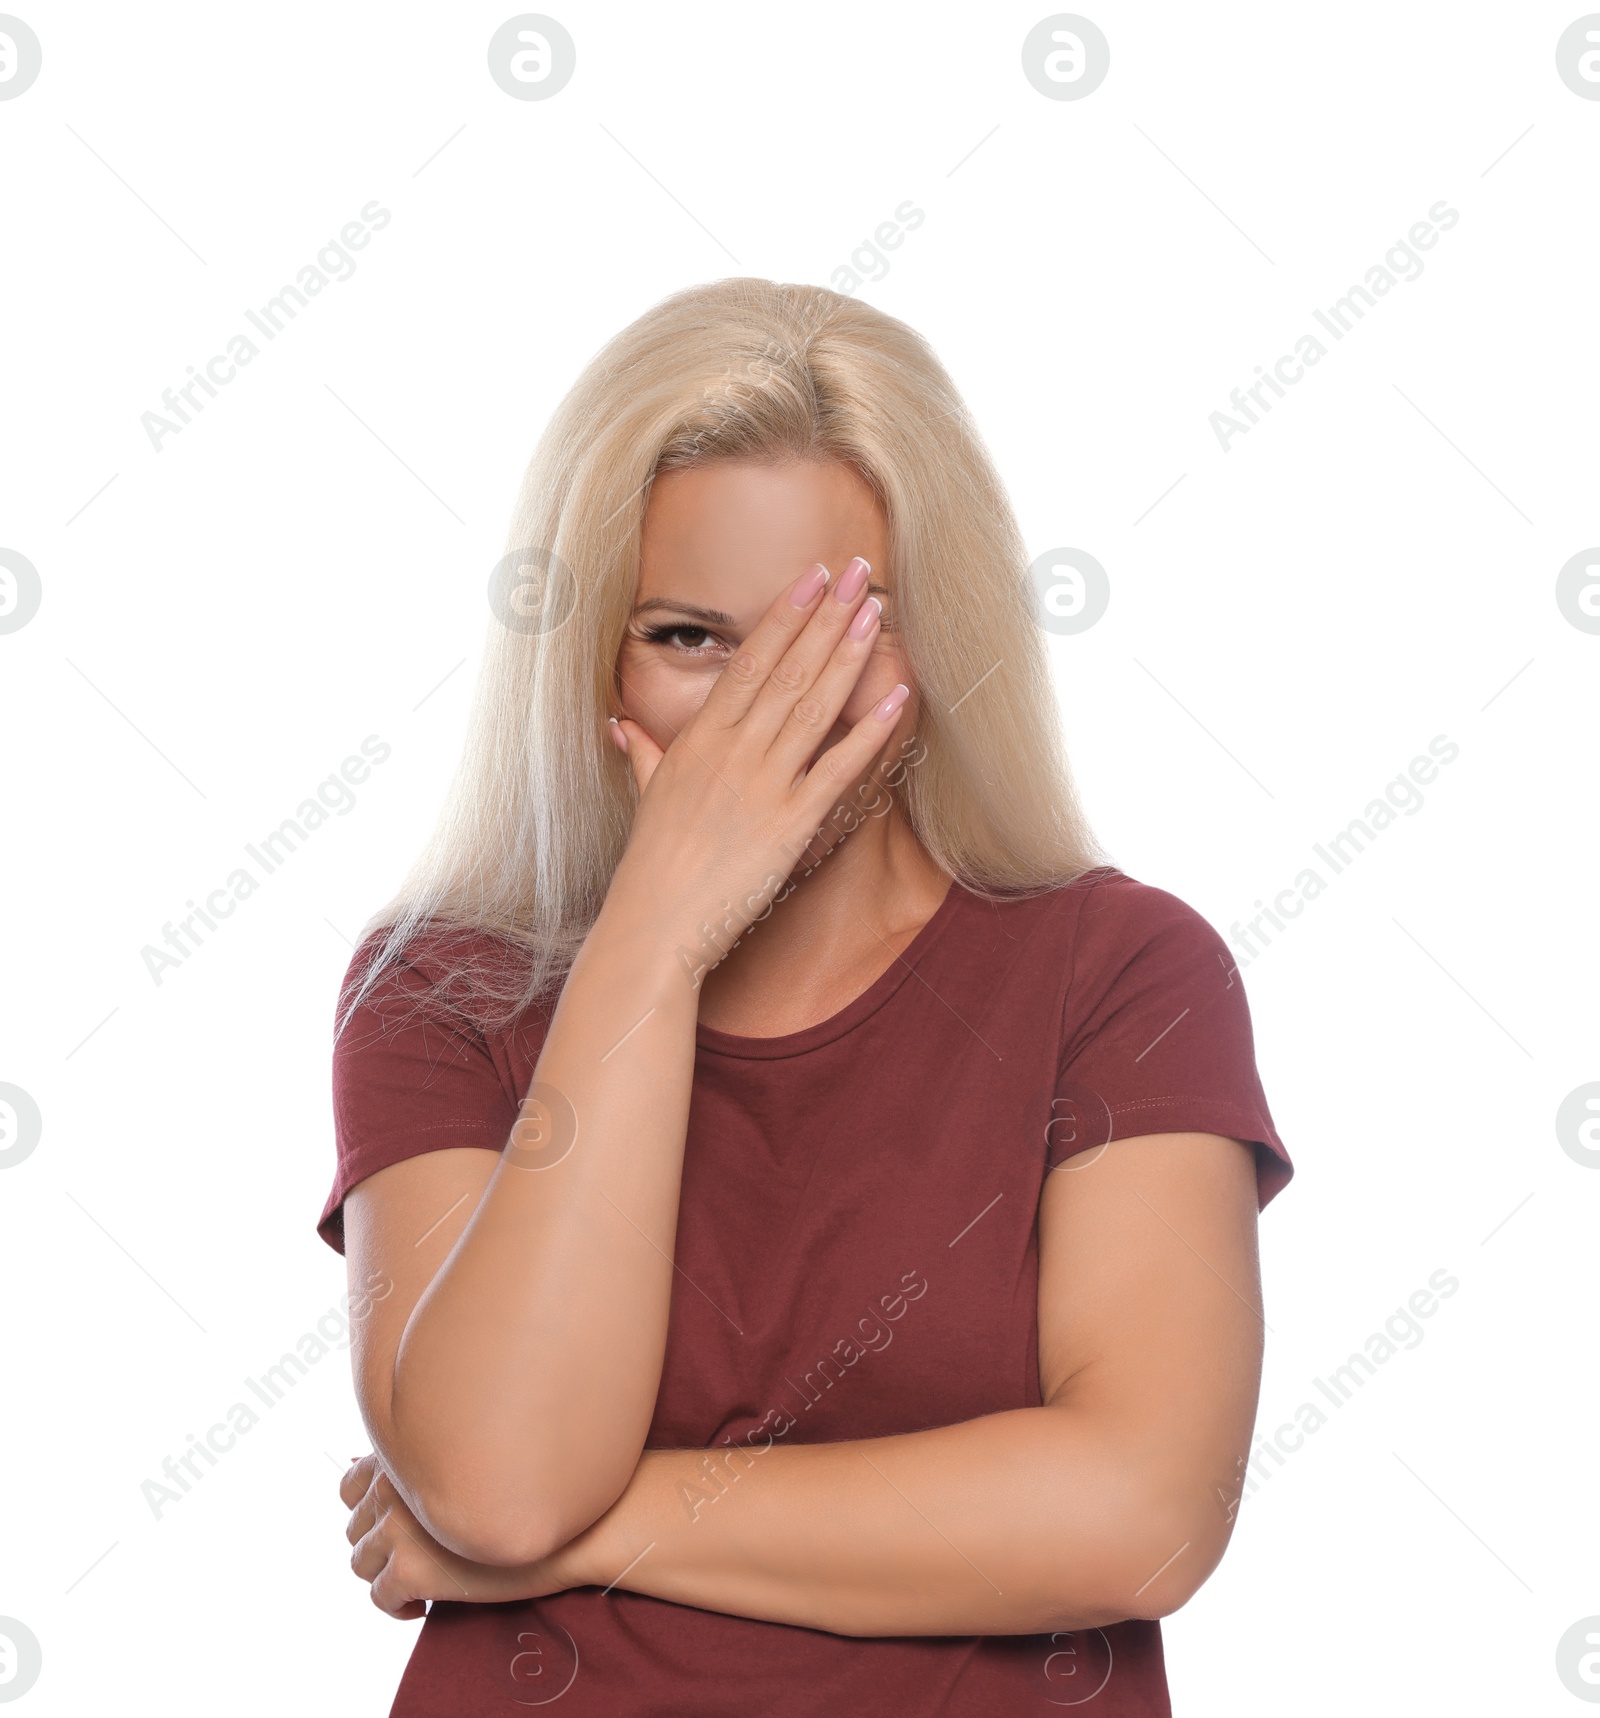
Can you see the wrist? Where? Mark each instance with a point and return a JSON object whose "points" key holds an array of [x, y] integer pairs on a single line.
{"points": [[662, 951]]}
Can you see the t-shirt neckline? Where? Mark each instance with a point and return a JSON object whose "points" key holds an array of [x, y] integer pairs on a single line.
{"points": [[853, 1013]]}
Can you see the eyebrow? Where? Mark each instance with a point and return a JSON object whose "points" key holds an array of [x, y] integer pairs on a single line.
{"points": [[708, 616]]}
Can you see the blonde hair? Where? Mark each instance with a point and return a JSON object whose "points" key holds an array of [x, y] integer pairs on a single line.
{"points": [[742, 369]]}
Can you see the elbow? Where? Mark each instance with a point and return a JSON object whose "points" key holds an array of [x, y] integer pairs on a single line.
{"points": [[1129, 1529], [500, 1509], [1165, 1556], [1126, 1551], [502, 1527], [503, 1536]]}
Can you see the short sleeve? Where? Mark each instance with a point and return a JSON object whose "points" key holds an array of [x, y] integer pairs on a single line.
{"points": [[409, 1076], [1156, 1034]]}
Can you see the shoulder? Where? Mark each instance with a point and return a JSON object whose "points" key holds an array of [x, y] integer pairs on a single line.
{"points": [[1156, 1035], [1118, 913], [415, 1067], [1105, 918], [1137, 958], [451, 977]]}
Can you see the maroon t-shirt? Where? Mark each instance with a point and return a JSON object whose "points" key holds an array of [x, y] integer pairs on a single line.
{"points": [[859, 1258]]}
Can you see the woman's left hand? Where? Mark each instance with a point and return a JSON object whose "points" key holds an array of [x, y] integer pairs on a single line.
{"points": [[405, 1565]]}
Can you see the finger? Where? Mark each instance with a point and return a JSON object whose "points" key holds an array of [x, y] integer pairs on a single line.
{"points": [[372, 1504], [356, 1479], [642, 752], [812, 717], [794, 676], [394, 1595], [746, 671], [371, 1552], [364, 1516], [405, 1613], [842, 765]]}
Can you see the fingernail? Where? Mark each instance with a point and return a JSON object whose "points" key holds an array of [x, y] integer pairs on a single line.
{"points": [[810, 586], [892, 703], [851, 580], [617, 734], [866, 618]]}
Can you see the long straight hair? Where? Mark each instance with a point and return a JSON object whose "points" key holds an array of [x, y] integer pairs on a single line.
{"points": [[542, 802]]}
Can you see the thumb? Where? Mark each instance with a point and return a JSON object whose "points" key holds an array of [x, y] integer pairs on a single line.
{"points": [[642, 752]]}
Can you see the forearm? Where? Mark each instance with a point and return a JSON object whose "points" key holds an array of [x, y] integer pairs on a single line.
{"points": [[526, 1377], [1017, 1523]]}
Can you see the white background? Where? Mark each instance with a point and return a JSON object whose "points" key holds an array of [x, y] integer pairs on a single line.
{"points": [[1373, 565]]}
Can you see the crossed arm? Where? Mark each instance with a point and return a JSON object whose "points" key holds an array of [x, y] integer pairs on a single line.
{"points": [[1114, 1499]]}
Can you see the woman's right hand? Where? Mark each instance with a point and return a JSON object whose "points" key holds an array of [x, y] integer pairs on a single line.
{"points": [[727, 809]]}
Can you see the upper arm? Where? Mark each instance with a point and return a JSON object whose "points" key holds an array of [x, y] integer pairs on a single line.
{"points": [[1150, 1323], [421, 1112], [400, 1226]]}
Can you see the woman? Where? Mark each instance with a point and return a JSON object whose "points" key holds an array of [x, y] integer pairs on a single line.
{"points": [[799, 1198]]}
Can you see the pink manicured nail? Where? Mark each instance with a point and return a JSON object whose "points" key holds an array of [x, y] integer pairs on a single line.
{"points": [[851, 580], [866, 618], [618, 735], [885, 711], [810, 587]]}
